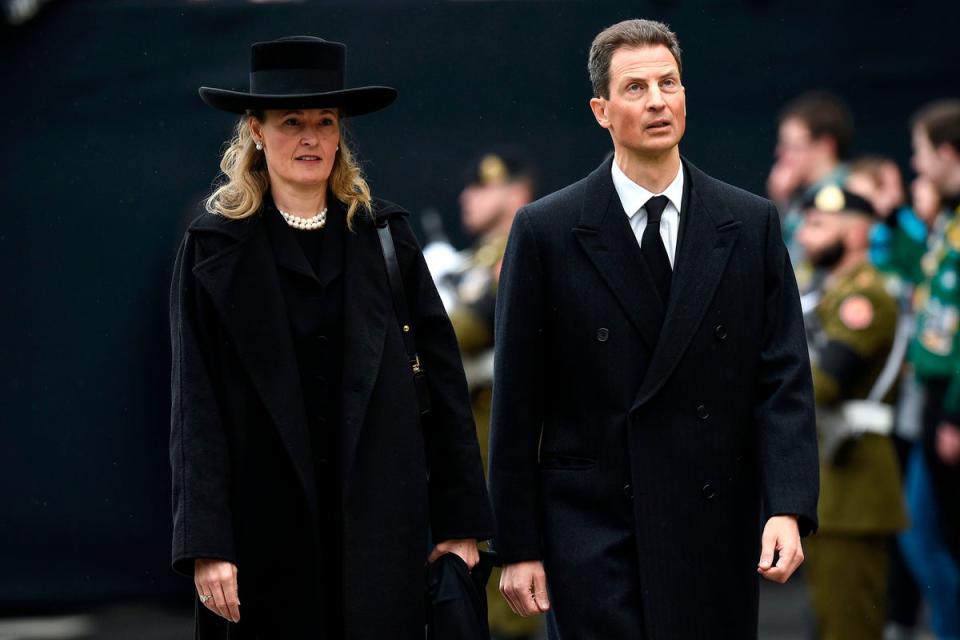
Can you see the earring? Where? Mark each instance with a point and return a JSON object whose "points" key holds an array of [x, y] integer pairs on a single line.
{"points": [[259, 146], [338, 147]]}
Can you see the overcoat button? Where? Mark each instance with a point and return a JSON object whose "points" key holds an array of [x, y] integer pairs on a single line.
{"points": [[709, 493], [721, 332], [603, 334], [320, 339], [628, 491], [702, 412]]}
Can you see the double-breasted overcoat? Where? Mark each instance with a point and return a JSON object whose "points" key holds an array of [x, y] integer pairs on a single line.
{"points": [[637, 447]]}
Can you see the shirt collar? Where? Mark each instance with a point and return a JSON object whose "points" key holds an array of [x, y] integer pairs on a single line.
{"points": [[633, 196]]}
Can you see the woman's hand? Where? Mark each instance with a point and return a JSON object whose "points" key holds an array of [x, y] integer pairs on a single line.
{"points": [[216, 582], [465, 548]]}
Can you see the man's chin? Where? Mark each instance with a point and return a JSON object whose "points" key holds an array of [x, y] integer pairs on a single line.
{"points": [[654, 148]]}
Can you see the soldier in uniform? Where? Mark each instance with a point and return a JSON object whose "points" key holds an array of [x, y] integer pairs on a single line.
{"points": [[498, 184], [851, 333]]}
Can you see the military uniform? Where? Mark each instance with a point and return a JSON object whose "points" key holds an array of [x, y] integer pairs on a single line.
{"points": [[851, 333], [472, 318]]}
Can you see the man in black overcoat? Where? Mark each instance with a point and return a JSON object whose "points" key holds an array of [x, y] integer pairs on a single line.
{"points": [[653, 408]]}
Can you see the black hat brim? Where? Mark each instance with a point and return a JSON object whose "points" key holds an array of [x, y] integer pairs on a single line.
{"points": [[351, 102]]}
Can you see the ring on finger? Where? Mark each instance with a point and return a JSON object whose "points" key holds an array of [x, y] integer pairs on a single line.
{"points": [[204, 598]]}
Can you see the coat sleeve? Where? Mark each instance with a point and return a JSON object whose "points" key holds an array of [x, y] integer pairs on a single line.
{"points": [[202, 517], [517, 417], [459, 504], [784, 405]]}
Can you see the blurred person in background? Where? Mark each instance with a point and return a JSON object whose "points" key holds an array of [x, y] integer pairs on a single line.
{"points": [[897, 244], [899, 239], [498, 184], [304, 475], [932, 544], [653, 407], [926, 200], [814, 137], [851, 335]]}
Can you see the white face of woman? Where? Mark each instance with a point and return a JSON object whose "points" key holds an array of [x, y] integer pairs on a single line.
{"points": [[299, 145]]}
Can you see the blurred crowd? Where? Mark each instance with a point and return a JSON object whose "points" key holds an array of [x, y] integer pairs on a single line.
{"points": [[877, 266], [877, 261]]}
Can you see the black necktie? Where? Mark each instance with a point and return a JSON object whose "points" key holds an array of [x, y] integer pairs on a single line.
{"points": [[651, 246]]}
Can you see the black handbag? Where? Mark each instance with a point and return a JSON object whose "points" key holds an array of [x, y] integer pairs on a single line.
{"points": [[403, 313], [457, 598]]}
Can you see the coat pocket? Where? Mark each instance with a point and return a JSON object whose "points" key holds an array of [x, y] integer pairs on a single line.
{"points": [[551, 460]]}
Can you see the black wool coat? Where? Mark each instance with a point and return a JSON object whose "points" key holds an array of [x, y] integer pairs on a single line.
{"points": [[640, 463], [243, 478]]}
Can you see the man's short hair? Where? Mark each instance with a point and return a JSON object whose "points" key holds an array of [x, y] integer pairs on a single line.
{"points": [[941, 122], [824, 114], [626, 34]]}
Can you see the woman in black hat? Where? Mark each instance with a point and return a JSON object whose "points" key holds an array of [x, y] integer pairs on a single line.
{"points": [[306, 482]]}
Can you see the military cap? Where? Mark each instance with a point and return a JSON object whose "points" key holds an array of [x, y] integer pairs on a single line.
{"points": [[497, 167], [834, 199]]}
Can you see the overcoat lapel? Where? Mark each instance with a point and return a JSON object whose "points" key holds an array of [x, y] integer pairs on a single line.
{"points": [[709, 235], [604, 233], [366, 311], [243, 283]]}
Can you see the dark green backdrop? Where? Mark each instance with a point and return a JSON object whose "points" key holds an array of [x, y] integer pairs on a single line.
{"points": [[106, 148]]}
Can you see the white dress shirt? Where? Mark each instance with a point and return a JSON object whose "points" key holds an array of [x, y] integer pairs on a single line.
{"points": [[634, 197]]}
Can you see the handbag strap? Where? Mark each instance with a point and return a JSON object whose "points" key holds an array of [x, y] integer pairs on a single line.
{"points": [[402, 311]]}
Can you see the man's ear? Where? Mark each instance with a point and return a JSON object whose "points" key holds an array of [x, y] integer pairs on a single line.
{"points": [[947, 152], [599, 108], [827, 143]]}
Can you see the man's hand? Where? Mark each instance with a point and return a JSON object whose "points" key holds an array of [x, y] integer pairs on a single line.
{"points": [[782, 182], [524, 585], [466, 549], [216, 582], [948, 443], [781, 534]]}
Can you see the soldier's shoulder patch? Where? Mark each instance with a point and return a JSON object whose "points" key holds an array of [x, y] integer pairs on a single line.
{"points": [[856, 312]]}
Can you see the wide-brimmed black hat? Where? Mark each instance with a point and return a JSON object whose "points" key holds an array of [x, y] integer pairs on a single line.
{"points": [[299, 72]]}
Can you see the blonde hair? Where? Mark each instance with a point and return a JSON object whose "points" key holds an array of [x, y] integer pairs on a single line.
{"points": [[244, 169]]}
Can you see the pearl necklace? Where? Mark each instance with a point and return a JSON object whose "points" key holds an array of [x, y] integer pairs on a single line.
{"points": [[318, 221]]}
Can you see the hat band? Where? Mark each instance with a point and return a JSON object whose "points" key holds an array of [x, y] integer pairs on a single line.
{"points": [[294, 81]]}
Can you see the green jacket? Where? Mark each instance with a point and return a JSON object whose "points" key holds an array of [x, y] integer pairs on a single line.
{"points": [[897, 246], [935, 350]]}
